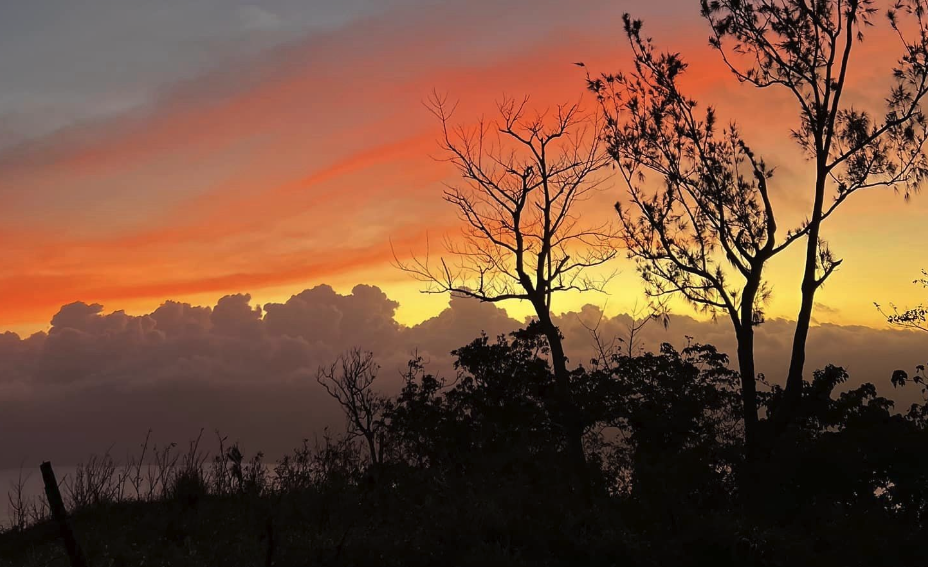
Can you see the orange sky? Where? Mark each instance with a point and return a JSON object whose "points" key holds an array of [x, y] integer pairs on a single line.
{"points": [[293, 168]]}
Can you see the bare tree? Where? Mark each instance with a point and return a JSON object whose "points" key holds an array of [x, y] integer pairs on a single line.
{"points": [[628, 346], [606, 351], [19, 502], [524, 176], [349, 380], [910, 318], [639, 317], [806, 48]]}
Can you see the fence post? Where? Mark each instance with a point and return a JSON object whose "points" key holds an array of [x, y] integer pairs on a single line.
{"points": [[56, 505], [269, 558]]}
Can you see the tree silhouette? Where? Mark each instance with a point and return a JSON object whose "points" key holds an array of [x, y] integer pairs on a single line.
{"points": [[807, 49], [910, 318], [679, 414], [709, 230], [715, 215], [524, 175], [349, 381]]}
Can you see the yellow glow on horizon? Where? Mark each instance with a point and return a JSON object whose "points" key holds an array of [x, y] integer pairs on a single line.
{"points": [[266, 209]]}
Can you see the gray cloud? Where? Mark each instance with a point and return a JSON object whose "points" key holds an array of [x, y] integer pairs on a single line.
{"points": [[98, 379], [67, 62]]}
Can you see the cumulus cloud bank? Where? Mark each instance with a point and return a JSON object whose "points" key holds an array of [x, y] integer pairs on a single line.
{"points": [[97, 380]]}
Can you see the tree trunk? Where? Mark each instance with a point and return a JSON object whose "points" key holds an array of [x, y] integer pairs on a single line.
{"points": [[568, 414], [793, 392], [372, 447], [750, 473], [744, 334], [746, 369]]}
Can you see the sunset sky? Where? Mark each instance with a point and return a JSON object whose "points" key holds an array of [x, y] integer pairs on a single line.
{"points": [[189, 150]]}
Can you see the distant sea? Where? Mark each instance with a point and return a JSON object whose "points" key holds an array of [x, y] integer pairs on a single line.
{"points": [[33, 487]]}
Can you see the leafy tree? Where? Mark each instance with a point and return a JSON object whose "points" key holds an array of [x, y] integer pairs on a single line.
{"points": [[849, 450], [713, 211], [807, 49], [715, 214], [679, 417], [495, 414]]}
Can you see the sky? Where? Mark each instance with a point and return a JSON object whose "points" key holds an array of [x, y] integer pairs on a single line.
{"points": [[187, 150]]}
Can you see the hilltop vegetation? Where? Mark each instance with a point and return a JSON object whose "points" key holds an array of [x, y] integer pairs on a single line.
{"points": [[474, 472]]}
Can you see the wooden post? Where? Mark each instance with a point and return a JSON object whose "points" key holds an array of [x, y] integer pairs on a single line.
{"points": [[269, 558], [56, 505]]}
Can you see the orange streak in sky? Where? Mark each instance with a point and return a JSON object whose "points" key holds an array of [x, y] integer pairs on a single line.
{"points": [[210, 221], [321, 141], [40, 294]]}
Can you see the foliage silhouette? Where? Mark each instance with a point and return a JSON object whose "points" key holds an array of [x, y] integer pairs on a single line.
{"points": [[476, 471], [709, 232], [808, 50], [910, 318], [714, 207]]}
